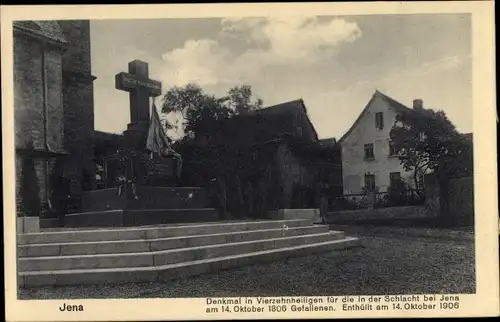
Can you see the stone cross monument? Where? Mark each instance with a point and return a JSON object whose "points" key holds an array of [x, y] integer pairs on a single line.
{"points": [[146, 170], [141, 88]]}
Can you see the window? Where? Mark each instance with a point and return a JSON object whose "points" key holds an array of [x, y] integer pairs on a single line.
{"points": [[369, 152], [392, 149], [369, 182], [379, 120], [395, 178]]}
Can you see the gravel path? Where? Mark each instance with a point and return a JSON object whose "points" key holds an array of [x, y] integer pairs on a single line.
{"points": [[385, 265]]}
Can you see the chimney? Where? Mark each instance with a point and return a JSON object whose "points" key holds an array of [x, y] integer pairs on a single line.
{"points": [[418, 103]]}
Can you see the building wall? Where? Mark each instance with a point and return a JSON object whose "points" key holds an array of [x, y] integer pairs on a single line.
{"points": [[28, 93], [38, 103], [78, 105], [354, 165], [294, 174]]}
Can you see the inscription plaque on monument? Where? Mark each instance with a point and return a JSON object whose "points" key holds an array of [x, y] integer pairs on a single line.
{"points": [[160, 167]]}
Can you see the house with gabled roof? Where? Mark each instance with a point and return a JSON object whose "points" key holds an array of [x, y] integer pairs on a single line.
{"points": [[368, 159]]}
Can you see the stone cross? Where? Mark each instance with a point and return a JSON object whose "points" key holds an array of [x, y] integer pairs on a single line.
{"points": [[140, 87]]}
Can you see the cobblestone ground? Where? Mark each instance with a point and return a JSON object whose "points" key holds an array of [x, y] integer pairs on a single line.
{"points": [[384, 265]]}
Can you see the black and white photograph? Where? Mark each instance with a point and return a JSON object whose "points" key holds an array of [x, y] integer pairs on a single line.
{"points": [[266, 164]]}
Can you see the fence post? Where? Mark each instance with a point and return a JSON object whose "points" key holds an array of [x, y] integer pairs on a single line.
{"points": [[371, 199]]}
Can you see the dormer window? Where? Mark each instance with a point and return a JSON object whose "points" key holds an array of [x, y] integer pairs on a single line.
{"points": [[379, 120]]}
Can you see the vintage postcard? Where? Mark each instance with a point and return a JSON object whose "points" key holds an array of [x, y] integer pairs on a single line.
{"points": [[249, 161]]}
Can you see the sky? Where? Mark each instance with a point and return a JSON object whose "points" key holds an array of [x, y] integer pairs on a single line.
{"points": [[334, 63]]}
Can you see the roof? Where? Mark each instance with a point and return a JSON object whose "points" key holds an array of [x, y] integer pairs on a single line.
{"points": [[392, 102], [468, 136], [296, 107], [267, 124], [48, 30], [328, 141], [105, 136], [401, 108]]}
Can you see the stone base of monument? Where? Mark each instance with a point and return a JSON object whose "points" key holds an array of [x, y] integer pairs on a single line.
{"points": [[284, 214], [146, 198], [139, 217], [27, 225], [49, 223], [165, 252], [146, 206]]}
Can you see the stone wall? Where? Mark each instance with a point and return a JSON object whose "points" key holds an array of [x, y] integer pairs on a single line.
{"points": [[78, 105], [355, 216], [452, 199], [461, 200], [38, 104], [37, 94], [54, 85], [450, 204], [77, 57], [28, 93]]}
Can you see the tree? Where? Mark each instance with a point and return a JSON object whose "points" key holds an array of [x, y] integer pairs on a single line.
{"points": [[201, 120], [221, 170], [427, 141], [199, 110], [240, 99]]}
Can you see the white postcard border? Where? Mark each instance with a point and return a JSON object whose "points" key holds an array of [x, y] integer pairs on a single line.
{"points": [[484, 303]]}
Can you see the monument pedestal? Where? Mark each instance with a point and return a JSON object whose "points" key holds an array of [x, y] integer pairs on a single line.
{"points": [[136, 134], [117, 207], [293, 214]]}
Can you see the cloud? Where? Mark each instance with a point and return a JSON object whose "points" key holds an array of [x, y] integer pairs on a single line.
{"points": [[443, 64], [293, 37], [197, 61], [288, 41], [300, 38]]}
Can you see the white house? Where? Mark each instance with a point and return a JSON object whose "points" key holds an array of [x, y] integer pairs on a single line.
{"points": [[368, 159]]}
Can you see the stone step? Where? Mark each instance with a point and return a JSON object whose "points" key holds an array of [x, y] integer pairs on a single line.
{"points": [[171, 256], [146, 245], [173, 271], [154, 232], [148, 198]]}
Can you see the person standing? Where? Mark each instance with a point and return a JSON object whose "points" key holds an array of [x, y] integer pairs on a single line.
{"points": [[323, 202], [60, 192]]}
